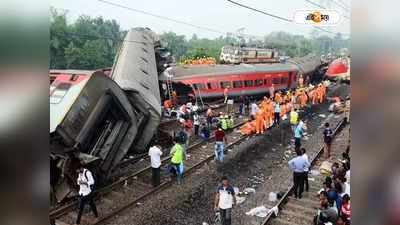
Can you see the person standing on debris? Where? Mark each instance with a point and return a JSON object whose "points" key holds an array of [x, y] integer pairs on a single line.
{"points": [[220, 138], [277, 110], [327, 140], [253, 110], [226, 90], [224, 200], [305, 156], [155, 154], [209, 115], [196, 122], [85, 182], [298, 164], [176, 160]]}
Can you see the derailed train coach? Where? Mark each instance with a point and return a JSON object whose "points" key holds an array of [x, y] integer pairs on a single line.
{"points": [[96, 118]]}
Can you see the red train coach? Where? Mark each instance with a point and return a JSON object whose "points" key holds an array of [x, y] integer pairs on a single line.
{"points": [[244, 79]]}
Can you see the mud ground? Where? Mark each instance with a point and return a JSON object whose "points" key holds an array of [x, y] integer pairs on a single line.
{"points": [[257, 162]]}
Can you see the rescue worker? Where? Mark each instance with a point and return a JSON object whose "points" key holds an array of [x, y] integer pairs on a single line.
{"points": [[231, 122], [226, 90], [209, 115], [176, 160], [167, 107], [294, 116], [174, 98], [301, 81], [297, 134], [303, 99], [259, 117], [196, 122], [224, 123], [278, 98], [271, 91], [187, 125]]}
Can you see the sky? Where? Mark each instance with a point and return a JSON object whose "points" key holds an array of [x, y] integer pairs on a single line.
{"points": [[219, 15]]}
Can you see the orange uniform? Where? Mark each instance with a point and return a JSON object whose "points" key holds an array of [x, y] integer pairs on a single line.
{"points": [[167, 104], [259, 120], [174, 98], [278, 98], [303, 99]]}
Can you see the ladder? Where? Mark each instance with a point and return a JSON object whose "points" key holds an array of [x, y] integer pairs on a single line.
{"points": [[169, 87], [201, 99]]}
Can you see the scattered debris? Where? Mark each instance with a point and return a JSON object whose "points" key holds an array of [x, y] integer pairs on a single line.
{"points": [[315, 172], [272, 197], [311, 179], [139, 203], [326, 167], [240, 199], [249, 190], [322, 115], [260, 211], [204, 146]]}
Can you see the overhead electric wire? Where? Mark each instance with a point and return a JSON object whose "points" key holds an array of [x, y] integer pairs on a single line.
{"points": [[320, 6], [287, 20], [268, 14], [162, 17], [341, 6]]}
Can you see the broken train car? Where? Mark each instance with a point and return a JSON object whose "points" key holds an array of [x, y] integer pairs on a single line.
{"points": [[97, 117]]}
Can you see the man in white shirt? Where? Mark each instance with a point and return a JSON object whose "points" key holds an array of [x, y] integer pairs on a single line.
{"points": [[85, 182], [155, 154], [305, 156], [254, 108], [224, 200]]}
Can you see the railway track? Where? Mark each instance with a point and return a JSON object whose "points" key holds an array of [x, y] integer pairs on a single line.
{"points": [[135, 187], [302, 211]]}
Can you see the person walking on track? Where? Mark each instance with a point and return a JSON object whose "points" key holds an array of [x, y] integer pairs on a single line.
{"points": [[298, 165], [327, 140], [224, 200], [86, 183], [304, 155], [277, 110], [220, 138]]}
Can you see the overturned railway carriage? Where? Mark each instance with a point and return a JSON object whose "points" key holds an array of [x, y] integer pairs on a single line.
{"points": [[97, 118], [210, 81]]}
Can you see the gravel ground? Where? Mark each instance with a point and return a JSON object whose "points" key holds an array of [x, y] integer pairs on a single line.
{"points": [[262, 156]]}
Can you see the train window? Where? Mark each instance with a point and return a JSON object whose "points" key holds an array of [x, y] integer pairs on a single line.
{"points": [[276, 80], [284, 80], [237, 84], [59, 93], [52, 79], [225, 84], [248, 83], [74, 77], [199, 86], [267, 81], [258, 82], [212, 85]]}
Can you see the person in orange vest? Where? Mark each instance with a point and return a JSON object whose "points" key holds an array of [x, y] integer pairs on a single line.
{"points": [[270, 109], [278, 98], [167, 106], [271, 91], [174, 98], [226, 90], [314, 96], [304, 99], [267, 117], [259, 117], [301, 81]]}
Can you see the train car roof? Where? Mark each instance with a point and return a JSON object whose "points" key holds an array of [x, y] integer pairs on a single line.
{"points": [[85, 72], [183, 72]]}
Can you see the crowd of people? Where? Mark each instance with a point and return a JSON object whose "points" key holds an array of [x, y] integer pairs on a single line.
{"points": [[199, 61], [334, 197]]}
